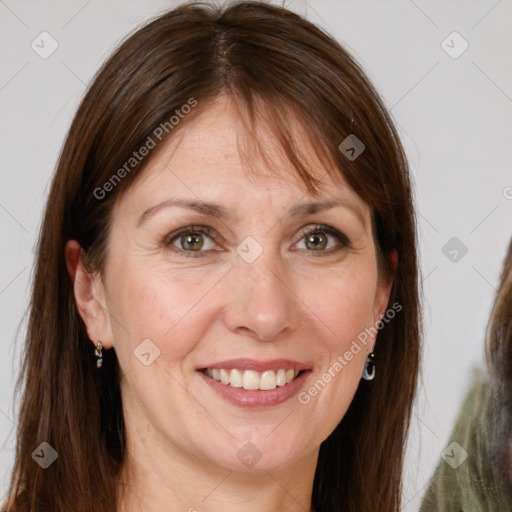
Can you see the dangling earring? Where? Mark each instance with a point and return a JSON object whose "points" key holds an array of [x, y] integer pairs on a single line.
{"points": [[97, 352], [369, 367]]}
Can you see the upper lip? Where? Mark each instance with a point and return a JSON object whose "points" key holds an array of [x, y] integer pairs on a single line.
{"points": [[257, 365]]}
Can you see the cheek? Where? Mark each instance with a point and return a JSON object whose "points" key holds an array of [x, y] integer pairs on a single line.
{"points": [[345, 304], [345, 312], [152, 304]]}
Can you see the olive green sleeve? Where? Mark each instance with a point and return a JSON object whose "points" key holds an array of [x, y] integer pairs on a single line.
{"points": [[468, 478]]}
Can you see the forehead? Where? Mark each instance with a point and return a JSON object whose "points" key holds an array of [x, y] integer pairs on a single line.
{"points": [[215, 155]]}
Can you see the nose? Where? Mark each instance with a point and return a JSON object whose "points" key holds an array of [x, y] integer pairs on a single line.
{"points": [[260, 299]]}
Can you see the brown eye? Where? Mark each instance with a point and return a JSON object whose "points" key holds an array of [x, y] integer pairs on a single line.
{"points": [[317, 239], [191, 240]]}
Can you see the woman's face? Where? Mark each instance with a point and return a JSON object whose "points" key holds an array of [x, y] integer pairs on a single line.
{"points": [[253, 288]]}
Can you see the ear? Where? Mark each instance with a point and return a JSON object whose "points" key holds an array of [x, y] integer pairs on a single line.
{"points": [[89, 296], [384, 287]]}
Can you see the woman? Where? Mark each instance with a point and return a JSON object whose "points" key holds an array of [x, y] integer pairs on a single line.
{"points": [[229, 229], [483, 480]]}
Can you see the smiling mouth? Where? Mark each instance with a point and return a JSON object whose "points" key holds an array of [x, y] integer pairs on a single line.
{"points": [[252, 380]]}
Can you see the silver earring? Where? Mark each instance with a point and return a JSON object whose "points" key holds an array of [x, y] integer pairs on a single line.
{"points": [[369, 367], [97, 353]]}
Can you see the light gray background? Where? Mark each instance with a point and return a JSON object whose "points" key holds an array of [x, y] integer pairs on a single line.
{"points": [[454, 116]]}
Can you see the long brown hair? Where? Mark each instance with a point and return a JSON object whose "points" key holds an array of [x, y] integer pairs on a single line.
{"points": [[498, 455], [273, 64], [499, 329]]}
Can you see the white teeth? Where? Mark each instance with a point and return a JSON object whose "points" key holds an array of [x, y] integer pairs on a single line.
{"points": [[281, 377], [251, 379], [224, 377], [235, 379], [268, 380]]}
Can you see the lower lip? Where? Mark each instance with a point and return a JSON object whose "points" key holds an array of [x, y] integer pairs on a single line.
{"points": [[256, 399]]}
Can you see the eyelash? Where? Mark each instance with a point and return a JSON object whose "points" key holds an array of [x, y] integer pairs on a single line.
{"points": [[204, 230]]}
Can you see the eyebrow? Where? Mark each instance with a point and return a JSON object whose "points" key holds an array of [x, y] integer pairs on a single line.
{"points": [[220, 212]]}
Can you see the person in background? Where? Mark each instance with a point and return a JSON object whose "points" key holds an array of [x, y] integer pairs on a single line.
{"points": [[483, 481]]}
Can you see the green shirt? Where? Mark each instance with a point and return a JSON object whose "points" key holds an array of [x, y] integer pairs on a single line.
{"points": [[478, 482]]}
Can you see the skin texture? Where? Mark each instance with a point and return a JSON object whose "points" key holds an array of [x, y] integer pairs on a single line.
{"points": [[183, 438]]}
